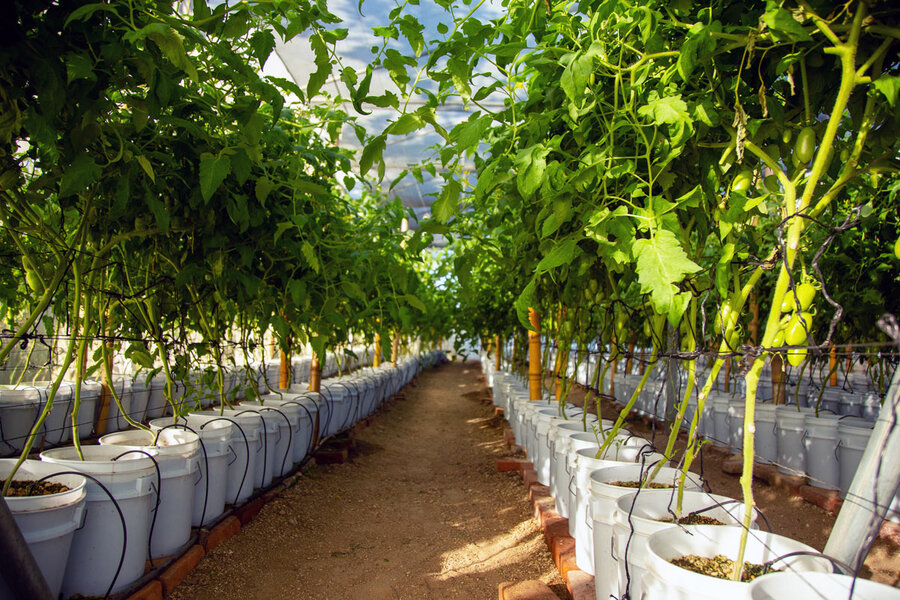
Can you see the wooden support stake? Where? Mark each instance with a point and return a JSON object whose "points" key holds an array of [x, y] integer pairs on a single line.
{"points": [[534, 356], [629, 360], [315, 373], [395, 348], [284, 371], [754, 322], [832, 366], [727, 374], [778, 391], [498, 353], [376, 360]]}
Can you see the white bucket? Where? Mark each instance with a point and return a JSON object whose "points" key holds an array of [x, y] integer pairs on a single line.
{"points": [[560, 435], [721, 434], [821, 443], [637, 517], [97, 546], [736, 426], [244, 469], [854, 435], [280, 452], [210, 488], [604, 496], [47, 523], [140, 399], [765, 439], [156, 401], [301, 413], [58, 425], [179, 466], [816, 586], [541, 457], [789, 429], [115, 420], [665, 581], [623, 451], [19, 411]]}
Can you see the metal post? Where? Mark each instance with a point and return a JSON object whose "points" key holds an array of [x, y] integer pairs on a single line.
{"points": [[18, 568], [873, 487]]}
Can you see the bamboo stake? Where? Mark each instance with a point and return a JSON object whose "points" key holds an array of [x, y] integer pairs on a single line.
{"points": [[728, 375], [315, 373], [498, 353], [284, 371], [629, 360], [832, 366], [395, 348], [534, 355], [778, 395], [376, 360]]}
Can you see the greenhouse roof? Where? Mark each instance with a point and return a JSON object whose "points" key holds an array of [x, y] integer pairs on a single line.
{"points": [[295, 61]]}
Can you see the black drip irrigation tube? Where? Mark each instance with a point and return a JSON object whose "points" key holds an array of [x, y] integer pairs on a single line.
{"points": [[205, 461]]}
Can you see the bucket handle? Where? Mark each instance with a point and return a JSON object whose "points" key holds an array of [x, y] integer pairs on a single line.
{"points": [[612, 548]]}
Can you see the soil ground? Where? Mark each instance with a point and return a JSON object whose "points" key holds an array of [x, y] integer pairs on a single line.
{"points": [[418, 513]]}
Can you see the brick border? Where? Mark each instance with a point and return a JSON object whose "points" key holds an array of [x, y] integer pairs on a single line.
{"points": [[555, 527]]}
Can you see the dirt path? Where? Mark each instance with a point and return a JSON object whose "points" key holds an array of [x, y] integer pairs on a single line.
{"points": [[418, 513]]}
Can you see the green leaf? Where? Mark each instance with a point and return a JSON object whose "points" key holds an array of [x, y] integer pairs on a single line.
{"points": [[85, 12], [525, 301], [323, 66], [352, 289], [447, 204], [661, 264], [562, 254], [470, 133], [575, 76], [80, 174], [889, 85], [213, 171], [139, 356], [405, 124], [531, 162], [784, 26], [238, 211], [372, 152], [280, 229], [159, 211], [415, 303], [669, 109], [79, 66], [262, 42], [146, 166], [310, 255], [262, 189]]}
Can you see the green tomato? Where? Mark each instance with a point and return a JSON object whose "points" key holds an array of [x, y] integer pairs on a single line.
{"points": [[772, 184], [805, 146], [724, 315], [796, 356], [795, 333], [897, 248], [34, 281], [778, 340], [806, 292], [786, 136], [742, 181]]}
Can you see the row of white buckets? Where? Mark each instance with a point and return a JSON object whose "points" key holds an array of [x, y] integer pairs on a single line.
{"points": [[138, 494], [618, 520]]}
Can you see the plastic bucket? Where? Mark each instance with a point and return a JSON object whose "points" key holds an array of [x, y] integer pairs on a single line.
{"points": [[541, 457], [47, 523], [561, 469], [665, 581], [97, 546], [638, 516], [623, 451], [853, 436], [765, 442], [211, 486], [821, 443], [19, 411], [302, 414], [789, 429], [721, 433], [179, 467], [58, 425], [115, 420], [244, 469], [816, 586], [604, 495], [736, 426], [140, 399], [282, 452]]}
